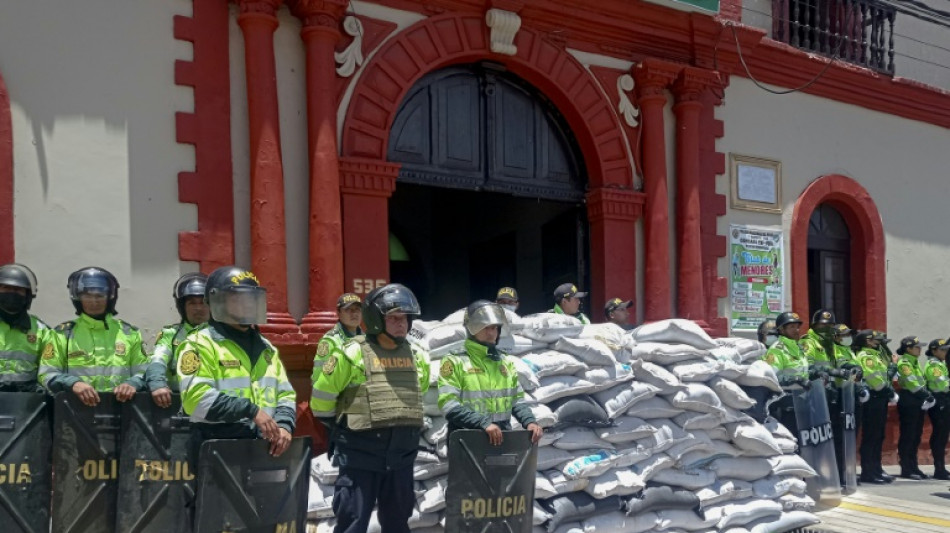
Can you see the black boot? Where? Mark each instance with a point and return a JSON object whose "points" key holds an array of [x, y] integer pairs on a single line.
{"points": [[940, 469]]}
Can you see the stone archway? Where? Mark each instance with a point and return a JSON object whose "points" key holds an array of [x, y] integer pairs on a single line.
{"points": [[852, 201]]}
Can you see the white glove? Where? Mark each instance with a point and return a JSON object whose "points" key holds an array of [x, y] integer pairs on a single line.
{"points": [[864, 396], [928, 403], [894, 398]]}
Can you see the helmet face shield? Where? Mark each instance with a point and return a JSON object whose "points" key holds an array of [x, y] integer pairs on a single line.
{"points": [[397, 300], [239, 305], [488, 314]]}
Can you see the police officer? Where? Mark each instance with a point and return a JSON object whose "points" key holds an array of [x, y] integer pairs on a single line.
{"points": [[369, 395], [349, 314], [914, 400], [766, 333], [233, 384], [874, 413], [617, 312], [23, 337], [791, 366], [161, 375], [96, 352], [818, 343], [938, 383], [507, 298], [478, 386], [567, 301]]}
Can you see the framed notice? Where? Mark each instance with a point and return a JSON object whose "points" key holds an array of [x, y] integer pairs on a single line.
{"points": [[757, 288], [756, 183]]}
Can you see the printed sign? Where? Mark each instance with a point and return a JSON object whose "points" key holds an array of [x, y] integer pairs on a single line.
{"points": [[758, 283]]}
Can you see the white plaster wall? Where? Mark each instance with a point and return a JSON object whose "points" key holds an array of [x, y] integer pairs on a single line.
{"points": [[922, 50], [95, 157], [904, 165]]}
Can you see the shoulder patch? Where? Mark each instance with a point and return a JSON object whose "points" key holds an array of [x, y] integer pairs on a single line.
{"points": [[31, 337], [770, 358], [189, 363], [68, 325], [937, 372], [48, 351], [120, 348], [503, 368], [323, 348], [906, 370], [329, 366], [446, 369]]}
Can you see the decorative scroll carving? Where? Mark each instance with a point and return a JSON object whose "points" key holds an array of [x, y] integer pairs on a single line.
{"points": [[352, 57], [631, 115], [504, 26]]}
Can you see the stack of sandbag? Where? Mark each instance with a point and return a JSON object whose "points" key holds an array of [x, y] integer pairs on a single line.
{"points": [[648, 430]]}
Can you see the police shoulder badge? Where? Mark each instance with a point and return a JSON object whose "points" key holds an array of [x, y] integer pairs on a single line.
{"points": [[119, 348], [48, 351], [937, 372], [189, 363], [503, 368], [329, 366], [906, 370], [770, 358], [446, 369], [31, 337], [323, 349]]}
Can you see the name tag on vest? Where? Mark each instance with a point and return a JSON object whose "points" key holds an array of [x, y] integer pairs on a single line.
{"points": [[391, 363], [229, 363]]}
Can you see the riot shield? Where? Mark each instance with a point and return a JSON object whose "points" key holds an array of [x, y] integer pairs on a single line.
{"points": [[849, 449], [156, 478], [242, 488], [86, 463], [816, 443], [25, 466], [491, 488]]}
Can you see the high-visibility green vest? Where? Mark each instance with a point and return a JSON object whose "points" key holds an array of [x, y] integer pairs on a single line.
{"points": [[786, 357], [20, 354], [210, 365], [813, 346], [936, 374], [874, 368], [103, 353], [474, 380], [909, 375], [164, 355]]}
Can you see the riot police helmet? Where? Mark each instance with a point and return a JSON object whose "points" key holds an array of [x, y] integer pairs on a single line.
{"points": [[381, 301], [93, 280], [235, 296], [862, 338], [842, 330], [823, 317], [481, 314], [786, 318], [19, 276], [766, 328], [188, 286]]}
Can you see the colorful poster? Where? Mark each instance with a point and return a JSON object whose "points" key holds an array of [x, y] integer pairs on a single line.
{"points": [[758, 283]]}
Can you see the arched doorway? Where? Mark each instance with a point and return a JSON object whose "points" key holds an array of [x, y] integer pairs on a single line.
{"points": [[829, 263], [490, 191]]}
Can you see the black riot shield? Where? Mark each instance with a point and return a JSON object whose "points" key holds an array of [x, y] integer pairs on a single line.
{"points": [[849, 449], [491, 488], [156, 478], [816, 443], [242, 488], [86, 463], [25, 467]]}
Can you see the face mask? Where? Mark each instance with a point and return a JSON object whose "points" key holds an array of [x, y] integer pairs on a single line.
{"points": [[508, 307], [12, 303], [845, 341], [770, 340]]}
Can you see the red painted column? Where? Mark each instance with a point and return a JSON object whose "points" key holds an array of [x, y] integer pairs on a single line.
{"points": [[613, 214], [688, 90], [321, 32], [268, 234], [652, 78]]}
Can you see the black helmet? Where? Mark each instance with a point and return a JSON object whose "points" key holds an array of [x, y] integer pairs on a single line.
{"points": [[388, 299], [825, 317], [787, 318], [17, 275], [842, 330], [93, 279], [766, 328], [862, 337], [187, 286], [234, 280]]}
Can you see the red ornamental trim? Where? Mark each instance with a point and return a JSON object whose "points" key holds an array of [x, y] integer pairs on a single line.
{"points": [[868, 291], [7, 250], [614, 204], [445, 40], [368, 177]]}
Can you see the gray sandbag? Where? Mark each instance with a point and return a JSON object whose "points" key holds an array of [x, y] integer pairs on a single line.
{"points": [[579, 410], [577, 506], [661, 497], [674, 331], [618, 399]]}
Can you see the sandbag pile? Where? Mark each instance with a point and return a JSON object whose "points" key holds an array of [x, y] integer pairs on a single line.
{"points": [[646, 430]]}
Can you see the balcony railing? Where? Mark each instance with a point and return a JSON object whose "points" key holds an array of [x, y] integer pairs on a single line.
{"points": [[856, 31]]}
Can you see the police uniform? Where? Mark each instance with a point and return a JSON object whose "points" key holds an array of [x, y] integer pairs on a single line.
{"points": [[371, 399], [938, 383], [913, 395], [568, 290], [874, 411], [23, 337], [334, 339], [791, 367], [162, 370], [616, 303]]}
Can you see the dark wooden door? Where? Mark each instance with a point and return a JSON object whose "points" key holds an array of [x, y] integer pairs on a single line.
{"points": [[829, 264]]}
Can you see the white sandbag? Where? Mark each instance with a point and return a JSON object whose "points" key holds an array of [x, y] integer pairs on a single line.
{"points": [[323, 470], [690, 420], [615, 482], [657, 376], [664, 354], [760, 374], [543, 415], [619, 522], [589, 465], [652, 466], [418, 520], [787, 446], [791, 465], [552, 363], [604, 377], [626, 429], [555, 387], [681, 519], [423, 471], [631, 454], [426, 453], [742, 468], [430, 401], [563, 485], [518, 344], [731, 394], [697, 443], [754, 440], [700, 371], [590, 351], [609, 333], [725, 354], [691, 480], [661, 439], [723, 491], [734, 416], [550, 321], [455, 347], [697, 397], [433, 500], [438, 431], [738, 514], [540, 516], [619, 399], [676, 330], [787, 522], [777, 429], [581, 438], [440, 336], [794, 502], [543, 487], [550, 457], [652, 408], [319, 500], [774, 487], [527, 378], [579, 410]]}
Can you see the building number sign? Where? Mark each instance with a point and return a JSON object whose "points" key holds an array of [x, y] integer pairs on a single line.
{"points": [[364, 286]]}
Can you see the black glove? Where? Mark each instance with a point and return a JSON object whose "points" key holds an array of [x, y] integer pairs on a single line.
{"points": [[817, 373], [891, 371]]}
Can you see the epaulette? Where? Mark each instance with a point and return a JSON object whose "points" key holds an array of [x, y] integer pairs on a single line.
{"points": [[66, 327], [126, 327]]}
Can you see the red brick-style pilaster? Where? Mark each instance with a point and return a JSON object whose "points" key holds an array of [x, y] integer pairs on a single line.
{"points": [[652, 79], [321, 32], [268, 228], [613, 214]]}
